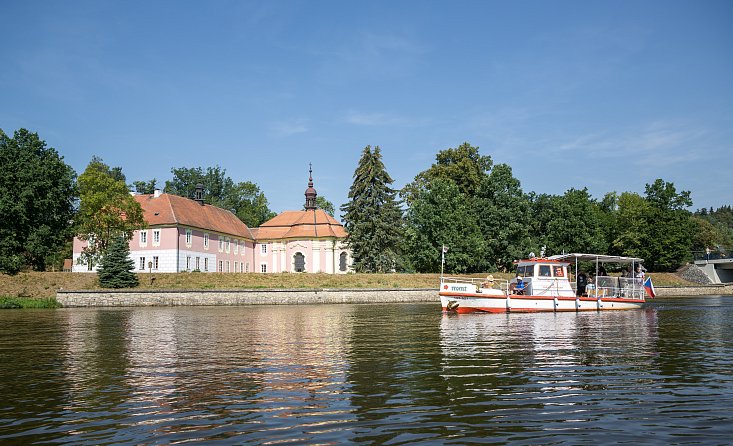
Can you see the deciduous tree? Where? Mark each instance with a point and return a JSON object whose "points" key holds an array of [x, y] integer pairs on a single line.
{"points": [[244, 199], [106, 210], [37, 194], [503, 215], [441, 216]]}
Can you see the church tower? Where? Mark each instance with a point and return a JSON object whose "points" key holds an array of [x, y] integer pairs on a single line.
{"points": [[310, 193]]}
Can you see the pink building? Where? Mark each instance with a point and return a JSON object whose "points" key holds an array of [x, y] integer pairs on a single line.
{"points": [[189, 235]]}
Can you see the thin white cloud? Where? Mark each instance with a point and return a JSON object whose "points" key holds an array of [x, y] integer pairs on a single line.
{"points": [[283, 128], [356, 117]]}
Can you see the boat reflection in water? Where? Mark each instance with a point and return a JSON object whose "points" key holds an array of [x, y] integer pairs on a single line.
{"points": [[511, 369]]}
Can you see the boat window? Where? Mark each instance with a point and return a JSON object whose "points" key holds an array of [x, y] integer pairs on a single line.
{"points": [[526, 271], [559, 272], [545, 271]]}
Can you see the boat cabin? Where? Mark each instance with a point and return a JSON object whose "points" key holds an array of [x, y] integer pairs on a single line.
{"points": [[541, 276]]}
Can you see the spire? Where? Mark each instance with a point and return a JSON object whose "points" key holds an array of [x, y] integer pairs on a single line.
{"points": [[310, 193]]}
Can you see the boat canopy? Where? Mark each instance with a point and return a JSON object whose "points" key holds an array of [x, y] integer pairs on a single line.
{"points": [[596, 258]]}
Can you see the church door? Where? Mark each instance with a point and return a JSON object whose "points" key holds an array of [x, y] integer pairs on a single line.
{"points": [[299, 262]]}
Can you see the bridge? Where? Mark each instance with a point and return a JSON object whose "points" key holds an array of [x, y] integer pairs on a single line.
{"points": [[718, 265]]}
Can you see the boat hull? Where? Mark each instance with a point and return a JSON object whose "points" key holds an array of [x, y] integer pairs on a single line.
{"points": [[480, 303]]}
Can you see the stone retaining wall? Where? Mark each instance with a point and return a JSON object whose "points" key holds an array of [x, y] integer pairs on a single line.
{"points": [[130, 298], [703, 290], [141, 298]]}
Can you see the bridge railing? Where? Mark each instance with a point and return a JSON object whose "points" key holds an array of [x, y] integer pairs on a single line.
{"points": [[722, 253]]}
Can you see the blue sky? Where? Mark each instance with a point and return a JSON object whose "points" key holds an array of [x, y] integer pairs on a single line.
{"points": [[606, 95]]}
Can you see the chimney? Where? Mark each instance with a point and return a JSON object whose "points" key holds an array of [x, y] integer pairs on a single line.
{"points": [[156, 193], [198, 195]]}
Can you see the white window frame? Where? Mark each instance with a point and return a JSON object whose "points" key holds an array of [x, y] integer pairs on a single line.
{"points": [[189, 238], [228, 242], [246, 267], [206, 240], [188, 263], [143, 238], [155, 262], [198, 263], [228, 266], [263, 267], [156, 237], [142, 264], [206, 264], [263, 248], [221, 243], [236, 246]]}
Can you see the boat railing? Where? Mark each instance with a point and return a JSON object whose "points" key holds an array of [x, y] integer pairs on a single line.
{"points": [[480, 283], [609, 286]]}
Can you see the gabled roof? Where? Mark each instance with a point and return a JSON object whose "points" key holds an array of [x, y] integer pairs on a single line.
{"points": [[300, 224], [168, 209]]}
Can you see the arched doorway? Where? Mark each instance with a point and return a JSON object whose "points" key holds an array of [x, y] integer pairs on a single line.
{"points": [[342, 262], [299, 262]]}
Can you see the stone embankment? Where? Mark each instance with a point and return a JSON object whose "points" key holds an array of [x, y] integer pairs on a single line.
{"points": [[132, 298], [141, 298]]}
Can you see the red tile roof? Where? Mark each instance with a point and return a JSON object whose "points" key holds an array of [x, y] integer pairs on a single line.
{"points": [[300, 224], [168, 209]]}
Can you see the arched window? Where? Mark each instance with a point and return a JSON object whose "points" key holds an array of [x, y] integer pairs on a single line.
{"points": [[342, 262], [299, 262]]}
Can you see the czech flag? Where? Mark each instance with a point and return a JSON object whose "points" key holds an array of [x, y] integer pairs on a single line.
{"points": [[649, 287]]}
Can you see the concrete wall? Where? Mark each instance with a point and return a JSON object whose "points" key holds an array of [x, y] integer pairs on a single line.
{"points": [[241, 297]]}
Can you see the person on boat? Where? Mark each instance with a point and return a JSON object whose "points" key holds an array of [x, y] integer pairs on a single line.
{"points": [[602, 271], [581, 283], [518, 286], [489, 282], [639, 274]]}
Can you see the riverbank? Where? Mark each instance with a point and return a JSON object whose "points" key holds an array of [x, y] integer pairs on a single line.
{"points": [[46, 284], [142, 298]]}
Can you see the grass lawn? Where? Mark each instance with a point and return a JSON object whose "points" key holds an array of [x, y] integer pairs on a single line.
{"points": [[38, 285]]}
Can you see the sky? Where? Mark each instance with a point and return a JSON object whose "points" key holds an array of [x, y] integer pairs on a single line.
{"points": [[608, 95]]}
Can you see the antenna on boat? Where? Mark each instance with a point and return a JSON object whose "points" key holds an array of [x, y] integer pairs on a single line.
{"points": [[442, 259]]}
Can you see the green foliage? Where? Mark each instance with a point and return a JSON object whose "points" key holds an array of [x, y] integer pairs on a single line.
{"points": [[372, 217], [37, 193], [669, 227], [324, 204], [145, 187], [503, 212], [629, 232], [464, 166], [575, 225], [245, 199], [7, 303], [722, 221], [248, 203], [116, 270], [441, 215], [656, 227], [106, 209]]}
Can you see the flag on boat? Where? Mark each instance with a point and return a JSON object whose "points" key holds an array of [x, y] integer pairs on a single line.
{"points": [[649, 287]]}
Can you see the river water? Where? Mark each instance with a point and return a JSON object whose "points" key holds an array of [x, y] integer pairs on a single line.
{"points": [[371, 374]]}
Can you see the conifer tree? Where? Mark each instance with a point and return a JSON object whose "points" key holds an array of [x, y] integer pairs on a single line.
{"points": [[373, 217], [117, 267]]}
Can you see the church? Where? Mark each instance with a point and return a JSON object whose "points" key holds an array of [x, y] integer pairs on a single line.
{"points": [[186, 234]]}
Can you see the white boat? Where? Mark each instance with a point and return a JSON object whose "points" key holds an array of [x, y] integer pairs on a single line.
{"points": [[543, 284]]}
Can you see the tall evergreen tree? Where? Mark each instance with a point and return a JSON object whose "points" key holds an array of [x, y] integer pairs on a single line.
{"points": [[117, 267], [372, 216]]}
